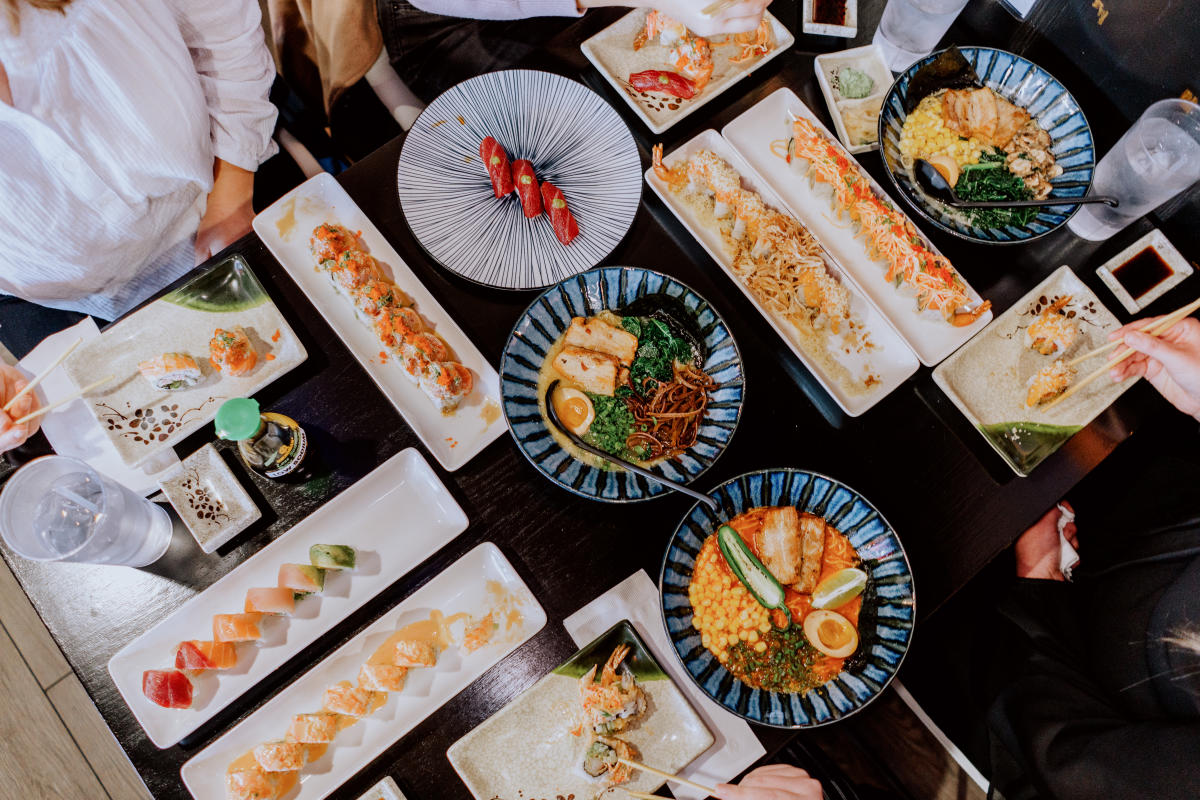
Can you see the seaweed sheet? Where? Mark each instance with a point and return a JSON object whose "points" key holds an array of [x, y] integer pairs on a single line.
{"points": [[948, 70]]}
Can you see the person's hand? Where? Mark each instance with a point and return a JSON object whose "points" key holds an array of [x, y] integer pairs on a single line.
{"points": [[1171, 362], [1038, 548], [229, 211], [11, 382], [773, 782], [742, 17]]}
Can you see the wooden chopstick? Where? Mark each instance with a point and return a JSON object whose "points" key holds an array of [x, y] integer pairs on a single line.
{"points": [[717, 7], [63, 401], [1182, 312], [29, 387], [640, 795], [676, 778], [1162, 326]]}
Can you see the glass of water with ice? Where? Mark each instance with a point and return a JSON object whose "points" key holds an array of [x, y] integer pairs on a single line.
{"points": [[910, 29], [1155, 160], [60, 509]]}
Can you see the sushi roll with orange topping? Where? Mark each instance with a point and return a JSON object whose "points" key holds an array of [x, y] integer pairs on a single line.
{"points": [[353, 269], [421, 351], [377, 295], [411, 653], [447, 383], [319, 728], [251, 782], [396, 324], [351, 701], [382, 677], [280, 756], [231, 352], [329, 240]]}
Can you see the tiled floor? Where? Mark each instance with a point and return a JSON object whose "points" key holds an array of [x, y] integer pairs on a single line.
{"points": [[53, 743]]}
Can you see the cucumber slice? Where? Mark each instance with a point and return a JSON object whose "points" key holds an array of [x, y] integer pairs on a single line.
{"points": [[331, 556]]}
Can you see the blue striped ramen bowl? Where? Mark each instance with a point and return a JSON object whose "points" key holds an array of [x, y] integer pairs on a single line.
{"points": [[1029, 86], [585, 295], [885, 623]]}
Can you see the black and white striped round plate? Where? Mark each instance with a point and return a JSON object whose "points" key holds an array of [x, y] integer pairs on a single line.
{"points": [[575, 140]]}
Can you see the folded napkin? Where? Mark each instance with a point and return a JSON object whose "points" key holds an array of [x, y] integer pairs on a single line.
{"points": [[636, 599], [1068, 558], [72, 430]]}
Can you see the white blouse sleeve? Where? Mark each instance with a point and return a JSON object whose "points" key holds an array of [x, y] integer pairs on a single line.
{"points": [[226, 42]]}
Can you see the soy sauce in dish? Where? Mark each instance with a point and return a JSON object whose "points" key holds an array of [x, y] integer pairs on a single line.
{"points": [[829, 12], [1143, 272]]}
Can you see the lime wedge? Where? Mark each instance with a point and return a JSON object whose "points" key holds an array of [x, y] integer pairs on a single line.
{"points": [[839, 588]]}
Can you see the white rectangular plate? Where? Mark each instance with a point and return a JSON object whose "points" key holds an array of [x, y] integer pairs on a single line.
{"points": [[285, 227], [142, 421], [988, 378], [611, 51], [395, 517], [751, 134], [462, 587], [891, 361]]}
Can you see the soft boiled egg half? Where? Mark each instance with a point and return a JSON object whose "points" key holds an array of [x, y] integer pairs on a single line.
{"points": [[574, 409], [831, 633]]}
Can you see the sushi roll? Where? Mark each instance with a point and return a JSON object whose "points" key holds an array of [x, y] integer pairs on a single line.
{"points": [[421, 351], [411, 653], [171, 371], [275, 600], [236, 627], [231, 352], [280, 756], [329, 240], [350, 701], [353, 269], [195, 655], [382, 677], [168, 688], [251, 782], [332, 556], [301, 578], [479, 632], [319, 728], [394, 325], [446, 384], [377, 295]]}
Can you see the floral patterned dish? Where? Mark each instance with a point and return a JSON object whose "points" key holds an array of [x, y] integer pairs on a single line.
{"points": [[209, 499]]}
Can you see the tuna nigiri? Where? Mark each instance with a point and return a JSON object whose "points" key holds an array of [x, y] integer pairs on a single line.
{"points": [[317, 728], [498, 167], [275, 600], [280, 756], [527, 187], [561, 218], [301, 578], [251, 783], [411, 653], [382, 677], [169, 688], [342, 698], [195, 655], [236, 627], [231, 352]]}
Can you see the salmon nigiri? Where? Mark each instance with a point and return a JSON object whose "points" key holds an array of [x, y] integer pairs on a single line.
{"points": [[236, 627], [195, 655], [274, 600], [169, 688]]}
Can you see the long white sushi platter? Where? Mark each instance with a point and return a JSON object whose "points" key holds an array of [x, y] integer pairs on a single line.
{"points": [[285, 227], [481, 581], [395, 517]]}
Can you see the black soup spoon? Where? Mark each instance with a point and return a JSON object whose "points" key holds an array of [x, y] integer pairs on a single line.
{"points": [[934, 184]]}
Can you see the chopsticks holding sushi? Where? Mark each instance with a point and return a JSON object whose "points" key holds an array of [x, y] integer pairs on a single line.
{"points": [[46, 409], [667, 775], [1156, 329], [1174, 316], [29, 387]]}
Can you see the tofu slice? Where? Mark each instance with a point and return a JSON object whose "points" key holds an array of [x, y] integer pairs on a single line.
{"points": [[779, 544], [595, 334], [594, 372], [812, 534]]}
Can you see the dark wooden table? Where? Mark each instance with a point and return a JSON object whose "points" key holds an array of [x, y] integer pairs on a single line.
{"points": [[953, 502]]}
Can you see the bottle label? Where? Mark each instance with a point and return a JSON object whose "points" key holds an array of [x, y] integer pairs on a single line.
{"points": [[299, 448]]}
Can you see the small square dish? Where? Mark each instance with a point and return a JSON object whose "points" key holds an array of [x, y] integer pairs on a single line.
{"points": [[1024, 354], [855, 83], [831, 18], [386, 789], [1144, 271], [614, 53], [209, 499], [527, 748]]}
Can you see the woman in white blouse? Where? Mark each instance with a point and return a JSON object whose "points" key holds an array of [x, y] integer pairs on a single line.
{"points": [[129, 135]]}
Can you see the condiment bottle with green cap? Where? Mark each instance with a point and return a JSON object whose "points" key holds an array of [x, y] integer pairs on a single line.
{"points": [[272, 444]]}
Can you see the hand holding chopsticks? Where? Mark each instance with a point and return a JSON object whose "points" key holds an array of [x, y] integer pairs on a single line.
{"points": [[1170, 360], [667, 775], [29, 387]]}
